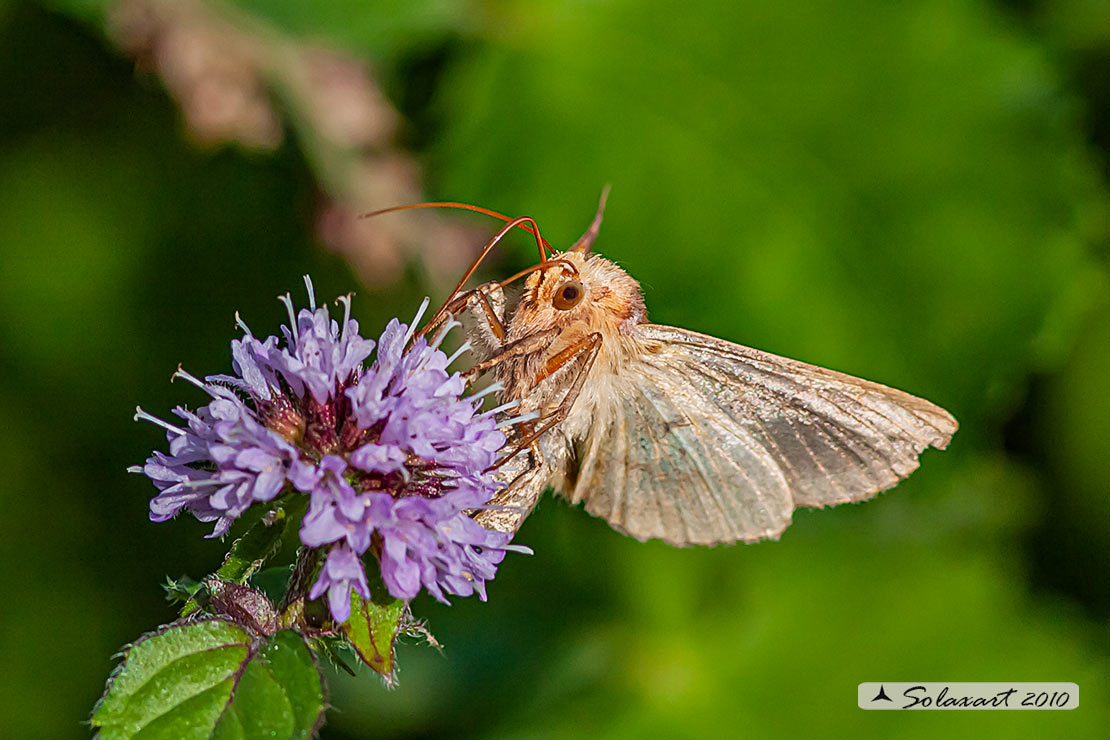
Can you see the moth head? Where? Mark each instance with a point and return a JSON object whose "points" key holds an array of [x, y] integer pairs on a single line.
{"points": [[581, 289]]}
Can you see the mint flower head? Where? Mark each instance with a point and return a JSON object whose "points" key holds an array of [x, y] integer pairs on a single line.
{"points": [[391, 456]]}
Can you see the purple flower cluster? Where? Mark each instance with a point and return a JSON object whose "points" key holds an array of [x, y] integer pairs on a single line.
{"points": [[392, 456]]}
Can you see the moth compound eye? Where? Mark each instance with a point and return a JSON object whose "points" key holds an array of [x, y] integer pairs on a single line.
{"points": [[568, 295]]}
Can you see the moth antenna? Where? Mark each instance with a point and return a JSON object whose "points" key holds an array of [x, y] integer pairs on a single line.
{"points": [[529, 227], [566, 264], [512, 224], [586, 241]]}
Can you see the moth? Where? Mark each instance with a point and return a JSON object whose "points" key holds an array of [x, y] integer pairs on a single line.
{"points": [[664, 432]]}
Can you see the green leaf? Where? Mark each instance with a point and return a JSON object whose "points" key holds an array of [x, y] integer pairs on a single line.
{"points": [[250, 551], [372, 630], [212, 679], [334, 646], [181, 590], [292, 663], [174, 682], [280, 694]]}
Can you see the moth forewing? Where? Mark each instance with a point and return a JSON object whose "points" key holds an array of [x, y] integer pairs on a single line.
{"points": [[718, 442]]}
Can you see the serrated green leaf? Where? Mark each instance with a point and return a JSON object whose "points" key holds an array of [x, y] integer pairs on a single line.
{"points": [[179, 678], [292, 663], [209, 679], [372, 630], [192, 718], [279, 696], [260, 707]]}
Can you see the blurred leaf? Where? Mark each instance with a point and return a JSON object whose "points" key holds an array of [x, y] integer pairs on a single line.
{"points": [[1077, 24], [378, 28], [1082, 425], [775, 643], [372, 630], [178, 682], [88, 10], [886, 189], [1070, 433], [74, 260]]}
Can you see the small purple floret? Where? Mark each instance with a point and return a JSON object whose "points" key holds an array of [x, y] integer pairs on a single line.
{"points": [[342, 571], [221, 462]]}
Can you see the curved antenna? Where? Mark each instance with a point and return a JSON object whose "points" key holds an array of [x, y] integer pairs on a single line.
{"points": [[439, 315], [466, 207], [567, 264], [586, 241]]}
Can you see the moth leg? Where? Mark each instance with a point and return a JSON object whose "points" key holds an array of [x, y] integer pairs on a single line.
{"points": [[523, 346], [524, 431], [493, 319], [508, 509], [512, 504], [483, 312], [588, 345], [580, 357]]}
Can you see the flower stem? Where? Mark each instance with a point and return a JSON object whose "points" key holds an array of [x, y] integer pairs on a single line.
{"points": [[292, 607]]}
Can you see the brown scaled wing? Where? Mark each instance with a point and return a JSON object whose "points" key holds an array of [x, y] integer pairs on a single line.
{"points": [[717, 442]]}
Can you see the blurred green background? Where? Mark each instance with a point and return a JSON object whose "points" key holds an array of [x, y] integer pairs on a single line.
{"points": [[913, 192]]}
